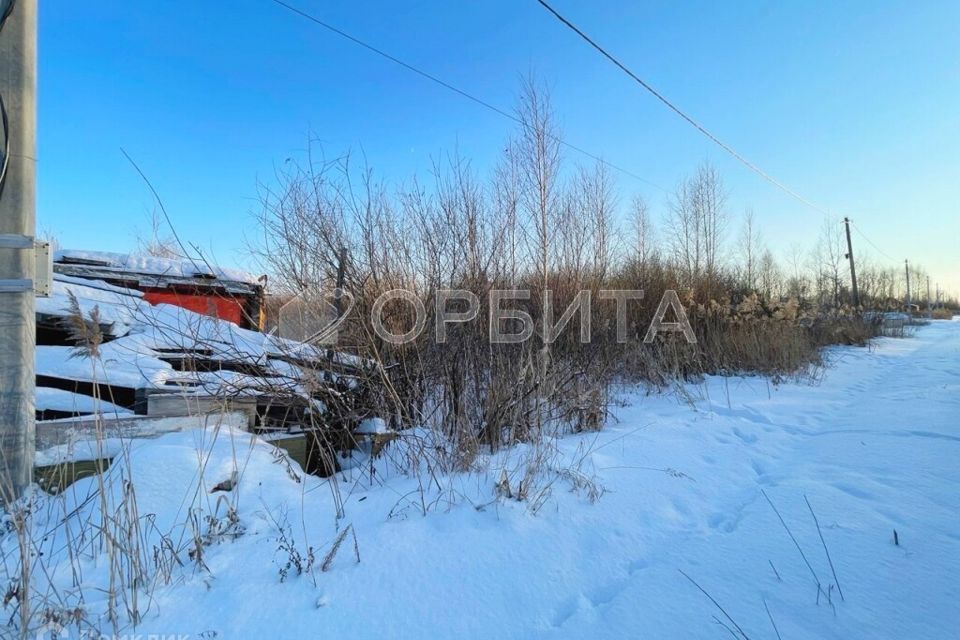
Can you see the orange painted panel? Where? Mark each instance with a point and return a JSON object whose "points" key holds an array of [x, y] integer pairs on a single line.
{"points": [[209, 305]]}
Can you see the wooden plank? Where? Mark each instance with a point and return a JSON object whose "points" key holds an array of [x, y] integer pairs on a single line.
{"points": [[54, 433], [168, 405]]}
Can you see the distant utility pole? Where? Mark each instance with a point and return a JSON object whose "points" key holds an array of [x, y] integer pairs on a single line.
{"points": [[853, 270], [906, 268], [928, 294], [18, 83]]}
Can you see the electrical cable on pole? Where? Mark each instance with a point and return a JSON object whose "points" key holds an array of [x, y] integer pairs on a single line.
{"points": [[870, 242]]}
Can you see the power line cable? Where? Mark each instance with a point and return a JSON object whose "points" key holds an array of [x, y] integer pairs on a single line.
{"points": [[457, 90], [733, 152], [870, 242], [659, 96], [7, 9]]}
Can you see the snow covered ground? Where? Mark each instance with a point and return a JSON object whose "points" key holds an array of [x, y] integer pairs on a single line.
{"points": [[874, 448]]}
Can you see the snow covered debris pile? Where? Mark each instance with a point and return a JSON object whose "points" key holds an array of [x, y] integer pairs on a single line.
{"points": [[151, 348]]}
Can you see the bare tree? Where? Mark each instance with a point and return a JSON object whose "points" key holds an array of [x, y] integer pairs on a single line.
{"points": [[697, 222], [506, 203], [643, 232], [749, 249], [829, 262], [797, 284], [681, 225], [769, 275], [159, 241], [464, 211], [539, 160], [594, 201], [711, 199], [574, 236]]}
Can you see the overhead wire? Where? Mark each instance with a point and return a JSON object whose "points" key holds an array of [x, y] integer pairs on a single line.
{"points": [[701, 128], [4, 121], [673, 107], [871, 243], [483, 103]]}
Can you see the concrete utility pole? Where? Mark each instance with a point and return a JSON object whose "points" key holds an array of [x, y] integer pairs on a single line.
{"points": [[853, 270], [18, 82], [906, 268]]}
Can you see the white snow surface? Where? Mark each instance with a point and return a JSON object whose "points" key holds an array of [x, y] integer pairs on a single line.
{"points": [[49, 399], [115, 305], [873, 447], [372, 426]]}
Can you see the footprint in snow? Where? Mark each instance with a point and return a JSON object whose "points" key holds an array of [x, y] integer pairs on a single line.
{"points": [[637, 565]]}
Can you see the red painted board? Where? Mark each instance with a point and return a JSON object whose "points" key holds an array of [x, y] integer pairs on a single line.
{"points": [[210, 305]]}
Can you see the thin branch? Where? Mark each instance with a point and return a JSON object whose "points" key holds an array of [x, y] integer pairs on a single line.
{"points": [[769, 615], [790, 533], [716, 604], [825, 550]]}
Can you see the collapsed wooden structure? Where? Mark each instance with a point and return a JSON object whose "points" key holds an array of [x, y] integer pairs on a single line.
{"points": [[109, 347]]}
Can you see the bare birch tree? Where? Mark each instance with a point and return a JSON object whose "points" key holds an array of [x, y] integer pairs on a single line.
{"points": [[829, 262], [749, 249], [697, 221], [768, 275], [539, 160], [643, 233], [506, 203]]}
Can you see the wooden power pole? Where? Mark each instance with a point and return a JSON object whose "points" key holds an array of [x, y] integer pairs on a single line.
{"points": [[853, 269], [906, 268]]}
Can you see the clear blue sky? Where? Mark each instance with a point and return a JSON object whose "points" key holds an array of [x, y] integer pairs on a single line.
{"points": [[854, 104]]}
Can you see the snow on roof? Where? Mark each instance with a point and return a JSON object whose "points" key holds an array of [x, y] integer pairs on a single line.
{"points": [[174, 267], [117, 306], [48, 399], [148, 337]]}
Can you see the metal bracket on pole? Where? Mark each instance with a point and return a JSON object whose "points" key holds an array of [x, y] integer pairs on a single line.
{"points": [[16, 286], [15, 241], [41, 284]]}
